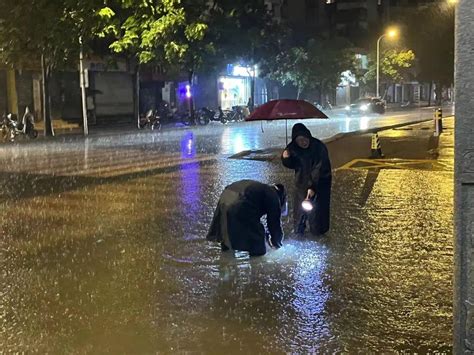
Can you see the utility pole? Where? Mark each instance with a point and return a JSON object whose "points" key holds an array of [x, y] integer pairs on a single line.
{"points": [[83, 87]]}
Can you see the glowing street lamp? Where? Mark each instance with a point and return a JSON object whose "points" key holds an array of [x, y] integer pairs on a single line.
{"points": [[391, 33]]}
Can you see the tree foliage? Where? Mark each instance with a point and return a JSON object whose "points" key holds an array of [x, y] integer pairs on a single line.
{"points": [[30, 29], [430, 33], [396, 66], [317, 66], [190, 34], [161, 31], [293, 67], [33, 31]]}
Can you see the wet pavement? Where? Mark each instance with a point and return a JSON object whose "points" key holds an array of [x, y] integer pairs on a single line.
{"points": [[103, 248]]}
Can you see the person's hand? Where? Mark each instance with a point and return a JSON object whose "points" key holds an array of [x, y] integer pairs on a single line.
{"points": [[311, 193], [272, 244], [286, 154]]}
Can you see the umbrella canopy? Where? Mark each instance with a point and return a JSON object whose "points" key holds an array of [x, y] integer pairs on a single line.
{"points": [[285, 110]]}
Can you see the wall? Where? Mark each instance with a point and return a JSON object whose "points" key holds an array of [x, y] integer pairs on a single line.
{"points": [[464, 182], [114, 94]]}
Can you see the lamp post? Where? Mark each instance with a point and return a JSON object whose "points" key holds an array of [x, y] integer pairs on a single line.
{"points": [[392, 33]]}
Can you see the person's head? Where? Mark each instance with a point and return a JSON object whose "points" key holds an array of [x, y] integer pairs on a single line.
{"points": [[301, 135], [281, 191]]}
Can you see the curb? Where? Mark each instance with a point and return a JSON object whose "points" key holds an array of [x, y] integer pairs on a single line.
{"points": [[337, 137], [377, 129]]}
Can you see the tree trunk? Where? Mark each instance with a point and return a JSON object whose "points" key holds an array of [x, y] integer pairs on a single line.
{"points": [[321, 95], [298, 92], [439, 92], [252, 92], [136, 95], [83, 89], [191, 98], [430, 93], [46, 74]]}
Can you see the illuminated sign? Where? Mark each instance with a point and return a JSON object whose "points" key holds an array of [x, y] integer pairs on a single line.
{"points": [[237, 70]]}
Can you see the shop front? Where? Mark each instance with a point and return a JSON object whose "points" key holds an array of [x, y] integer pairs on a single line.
{"points": [[235, 87]]}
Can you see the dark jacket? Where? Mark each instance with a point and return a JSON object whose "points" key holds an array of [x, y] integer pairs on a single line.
{"points": [[236, 220], [312, 165]]}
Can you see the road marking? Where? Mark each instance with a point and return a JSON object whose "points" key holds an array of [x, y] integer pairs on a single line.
{"points": [[410, 164]]}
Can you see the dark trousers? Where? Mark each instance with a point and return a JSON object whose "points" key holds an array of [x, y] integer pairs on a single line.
{"points": [[319, 218]]}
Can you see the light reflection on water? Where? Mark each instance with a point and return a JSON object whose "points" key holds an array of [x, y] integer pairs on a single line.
{"points": [[364, 123], [235, 140]]}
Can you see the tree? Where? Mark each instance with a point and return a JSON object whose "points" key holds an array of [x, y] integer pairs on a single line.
{"points": [[191, 35], [430, 33], [245, 31], [330, 58], [317, 66], [293, 67], [168, 32], [396, 66], [47, 32]]}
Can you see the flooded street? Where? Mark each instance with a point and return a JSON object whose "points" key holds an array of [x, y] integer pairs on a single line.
{"points": [[103, 250]]}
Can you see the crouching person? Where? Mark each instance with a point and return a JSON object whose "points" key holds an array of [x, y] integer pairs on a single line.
{"points": [[236, 222]]}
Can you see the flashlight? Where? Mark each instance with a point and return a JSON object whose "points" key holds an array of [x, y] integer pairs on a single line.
{"points": [[307, 205]]}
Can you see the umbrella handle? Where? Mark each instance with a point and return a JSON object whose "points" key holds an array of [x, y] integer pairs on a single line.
{"points": [[261, 125]]}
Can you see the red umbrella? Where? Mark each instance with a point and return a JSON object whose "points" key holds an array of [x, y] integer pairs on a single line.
{"points": [[285, 110]]}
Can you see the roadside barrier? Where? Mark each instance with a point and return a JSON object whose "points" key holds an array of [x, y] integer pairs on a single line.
{"points": [[438, 121], [376, 147]]}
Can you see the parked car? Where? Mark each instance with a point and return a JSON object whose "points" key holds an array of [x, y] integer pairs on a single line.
{"points": [[366, 105]]}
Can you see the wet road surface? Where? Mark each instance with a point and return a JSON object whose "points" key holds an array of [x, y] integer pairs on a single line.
{"points": [[103, 251]]}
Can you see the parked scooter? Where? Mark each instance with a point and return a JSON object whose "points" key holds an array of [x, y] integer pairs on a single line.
{"points": [[206, 115], [10, 127], [150, 120], [238, 113], [170, 115]]}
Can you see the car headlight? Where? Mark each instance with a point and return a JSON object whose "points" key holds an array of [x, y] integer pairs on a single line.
{"points": [[364, 107], [347, 108]]}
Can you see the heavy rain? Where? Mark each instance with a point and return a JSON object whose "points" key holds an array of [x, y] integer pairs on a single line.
{"points": [[236, 177], [103, 246]]}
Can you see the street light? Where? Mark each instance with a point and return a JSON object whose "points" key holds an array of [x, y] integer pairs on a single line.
{"points": [[391, 33]]}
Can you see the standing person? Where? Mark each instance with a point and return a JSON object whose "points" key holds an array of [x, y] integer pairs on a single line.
{"points": [[236, 222], [250, 104], [309, 158]]}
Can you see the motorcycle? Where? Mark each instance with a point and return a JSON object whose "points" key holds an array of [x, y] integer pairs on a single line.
{"points": [[206, 115], [238, 113], [10, 127], [169, 115], [150, 120]]}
